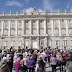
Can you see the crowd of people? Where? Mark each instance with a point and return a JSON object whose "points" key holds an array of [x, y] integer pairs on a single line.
{"points": [[35, 60]]}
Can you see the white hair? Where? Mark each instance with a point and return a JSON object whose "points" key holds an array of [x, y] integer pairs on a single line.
{"points": [[18, 59]]}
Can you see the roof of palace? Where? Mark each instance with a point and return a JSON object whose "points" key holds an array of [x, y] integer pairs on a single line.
{"points": [[36, 13]]}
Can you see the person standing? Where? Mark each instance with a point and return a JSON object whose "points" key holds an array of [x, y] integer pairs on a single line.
{"points": [[9, 63], [16, 64], [53, 61], [40, 67], [31, 64], [25, 60], [22, 67]]}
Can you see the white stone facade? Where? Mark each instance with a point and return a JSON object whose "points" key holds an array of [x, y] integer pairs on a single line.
{"points": [[36, 30]]}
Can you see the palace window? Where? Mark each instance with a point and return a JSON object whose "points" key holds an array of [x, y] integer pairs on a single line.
{"points": [[34, 21], [5, 21], [26, 43], [41, 31], [34, 25], [56, 31], [19, 21], [34, 31], [27, 31], [12, 25], [49, 43], [48, 21], [65, 42], [27, 21], [27, 25], [41, 21], [57, 42], [69, 20], [63, 31], [42, 42], [49, 31], [5, 32], [55, 21], [19, 32], [41, 25], [19, 26], [62, 20], [55, 25], [12, 21], [12, 32], [5, 26], [71, 43], [70, 31]]}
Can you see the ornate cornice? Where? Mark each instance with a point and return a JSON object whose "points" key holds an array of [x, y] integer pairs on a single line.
{"points": [[31, 15]]}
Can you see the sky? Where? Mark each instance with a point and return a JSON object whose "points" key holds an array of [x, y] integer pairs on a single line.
{"points": [[41, 5]]}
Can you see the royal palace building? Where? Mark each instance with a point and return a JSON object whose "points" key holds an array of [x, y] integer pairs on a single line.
{"points": [[36, 29]]}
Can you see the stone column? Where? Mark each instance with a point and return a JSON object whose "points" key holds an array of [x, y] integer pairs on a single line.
{"points": [[66, 22], [16, 28], [2, 32], [22, 27], [52, 27], [38, 43], [44, 26], [30, 26], [37, 26], [59, 27], [24, 42], [9, 29]]}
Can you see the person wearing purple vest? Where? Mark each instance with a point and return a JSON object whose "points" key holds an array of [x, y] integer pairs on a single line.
{"points": [[31, 64]]}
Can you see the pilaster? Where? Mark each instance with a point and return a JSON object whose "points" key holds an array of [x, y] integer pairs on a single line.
{"points": [[66, 22], [2, 28], [30, 26], [52, 28], [16, 28], [37, 26], [44, 26], [59, 27], [24, 42], [22, 27], [9, 29]]}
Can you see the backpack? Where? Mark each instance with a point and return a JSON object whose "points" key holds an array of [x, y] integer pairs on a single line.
{"points": [[58, 63], [40, 69]]}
